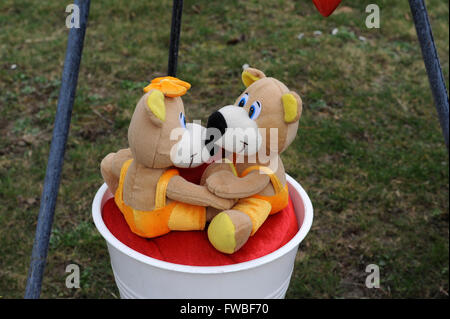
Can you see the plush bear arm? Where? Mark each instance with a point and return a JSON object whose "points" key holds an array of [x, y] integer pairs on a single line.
{"points": [[181, 190], [119, 159], [111, 165], [225, 184], [107, 173]]}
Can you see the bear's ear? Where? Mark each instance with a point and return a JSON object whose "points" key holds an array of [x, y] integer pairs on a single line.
{"points": [[250, 75], [155, 106], [292, 105]]}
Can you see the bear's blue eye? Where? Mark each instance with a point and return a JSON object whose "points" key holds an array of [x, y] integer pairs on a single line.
{"points": [[182, 120], [254, 110], [243, 100]]}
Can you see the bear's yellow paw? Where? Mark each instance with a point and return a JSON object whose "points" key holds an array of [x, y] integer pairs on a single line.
{"points": [[229, 231]]}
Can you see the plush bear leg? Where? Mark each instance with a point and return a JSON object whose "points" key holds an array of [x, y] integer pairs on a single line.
{"points": [[257, 209], [229, 231], [187, 217]]}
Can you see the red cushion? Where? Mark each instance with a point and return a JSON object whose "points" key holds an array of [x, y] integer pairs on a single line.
{"points": [[193, 248]]}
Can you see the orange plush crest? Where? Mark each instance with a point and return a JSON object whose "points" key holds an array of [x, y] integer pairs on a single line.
{"points": [[169, 86]]}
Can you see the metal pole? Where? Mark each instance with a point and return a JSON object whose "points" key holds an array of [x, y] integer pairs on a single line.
{"points": [[431, 60], [57, 149], [177, 11]]}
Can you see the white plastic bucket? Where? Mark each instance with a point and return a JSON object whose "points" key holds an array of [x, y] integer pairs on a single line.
{"points": [[140, 276]]}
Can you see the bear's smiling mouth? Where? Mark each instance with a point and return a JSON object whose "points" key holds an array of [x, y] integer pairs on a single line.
{"points": [[192, 160], [244, 145]]}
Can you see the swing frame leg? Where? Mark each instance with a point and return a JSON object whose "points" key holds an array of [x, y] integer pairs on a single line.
{"points": [[175, 30], [57, 150], [432, 64]]}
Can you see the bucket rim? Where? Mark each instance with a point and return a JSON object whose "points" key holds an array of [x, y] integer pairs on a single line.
{"points": [[258, 262]]}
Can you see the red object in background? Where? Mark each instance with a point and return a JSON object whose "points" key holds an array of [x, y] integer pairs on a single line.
{"points": [[193, 247], [326, 7]]}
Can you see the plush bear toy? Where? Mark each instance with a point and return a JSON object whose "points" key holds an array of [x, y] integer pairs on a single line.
{"points": [[148, 190], [255, 130]]}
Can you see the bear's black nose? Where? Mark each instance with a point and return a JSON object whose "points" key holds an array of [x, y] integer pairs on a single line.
{"points": [[216, 120], [216, 127]]}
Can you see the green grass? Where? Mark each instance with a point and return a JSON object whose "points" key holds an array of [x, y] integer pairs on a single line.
{"points": [[369, 151]]}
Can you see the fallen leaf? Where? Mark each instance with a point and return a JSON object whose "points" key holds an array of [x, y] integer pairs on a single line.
{"points": [[236, 40], [343, 9], [196, 8]]}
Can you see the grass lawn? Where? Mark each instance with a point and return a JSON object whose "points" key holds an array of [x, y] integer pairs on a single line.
{"points": [[369, 151]]}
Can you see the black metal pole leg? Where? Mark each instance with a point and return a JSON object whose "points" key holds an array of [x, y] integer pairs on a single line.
{"points": [[57, 149], [431, 60], [177, 11]]}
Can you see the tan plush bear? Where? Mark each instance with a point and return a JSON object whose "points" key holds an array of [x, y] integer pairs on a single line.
{"points": [[148, 190], [255, 130]]}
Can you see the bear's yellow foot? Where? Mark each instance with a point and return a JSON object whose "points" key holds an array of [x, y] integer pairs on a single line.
{"points": [[229, 231]]}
